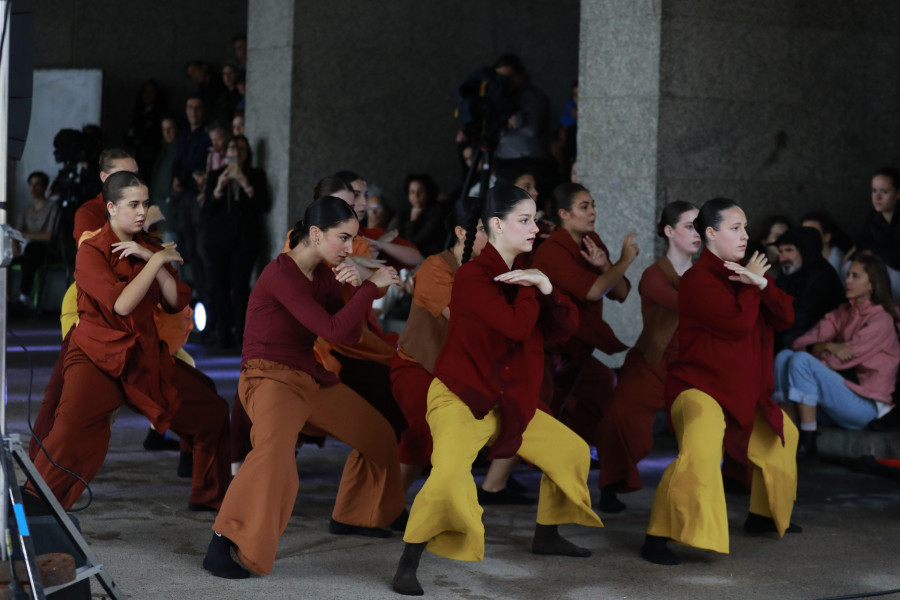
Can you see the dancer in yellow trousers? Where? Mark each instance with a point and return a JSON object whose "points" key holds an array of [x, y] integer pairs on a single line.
{"points": [[486, 392], [719, 391]]}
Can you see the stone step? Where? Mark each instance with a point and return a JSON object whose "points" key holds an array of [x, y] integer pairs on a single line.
{"points": [[852, 444]]}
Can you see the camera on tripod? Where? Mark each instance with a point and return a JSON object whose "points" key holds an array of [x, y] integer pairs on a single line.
{"points": [[483, 106]]}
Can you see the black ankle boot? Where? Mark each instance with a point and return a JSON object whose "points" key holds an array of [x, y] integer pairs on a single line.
{"points": [[609, 501], [548, 541], [218, 559], [759, 524], [405, 581], [806, 447], [156, 441], [656, 551]]}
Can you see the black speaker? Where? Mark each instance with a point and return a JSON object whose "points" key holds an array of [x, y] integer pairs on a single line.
{"points": [[20, 30], [49, 536]]}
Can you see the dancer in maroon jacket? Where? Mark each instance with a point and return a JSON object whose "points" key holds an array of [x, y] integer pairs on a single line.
{"points": [[719, 389], [486, 392]]}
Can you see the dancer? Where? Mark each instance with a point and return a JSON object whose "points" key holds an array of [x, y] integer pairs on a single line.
{"points": [[577, 386], [115, 356], [719, 393], [420, 344], [285, 391], [485, 392], [626, 431]]}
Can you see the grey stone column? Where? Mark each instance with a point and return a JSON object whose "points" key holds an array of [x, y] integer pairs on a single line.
{"points": [[270, 66], [618, 125]]}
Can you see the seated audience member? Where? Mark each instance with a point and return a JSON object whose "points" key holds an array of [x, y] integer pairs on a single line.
{"points": [[847, 363], [832, 237], [239, 50], [230, 96], [880, 234], [769, 231], [626, 431], [236, 199], [421, 220], [36, 223], [808, 278], [379, 214]]}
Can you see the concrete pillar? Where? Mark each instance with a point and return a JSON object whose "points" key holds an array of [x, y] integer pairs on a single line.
{"points": [[271, 53], [618, 125]]}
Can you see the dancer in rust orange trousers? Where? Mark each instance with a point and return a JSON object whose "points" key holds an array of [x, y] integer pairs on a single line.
{"points": [[285, 391]]}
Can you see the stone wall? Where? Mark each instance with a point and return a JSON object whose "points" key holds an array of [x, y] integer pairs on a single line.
{"points": [[785, 106], [132, 42], [372, 85]]}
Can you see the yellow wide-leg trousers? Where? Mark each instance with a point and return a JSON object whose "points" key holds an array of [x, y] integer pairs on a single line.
{"points": [[689, 506], [446, 513]]}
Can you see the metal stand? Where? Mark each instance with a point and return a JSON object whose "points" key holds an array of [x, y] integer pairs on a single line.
{"points": [[17, 536], [11, 450]]}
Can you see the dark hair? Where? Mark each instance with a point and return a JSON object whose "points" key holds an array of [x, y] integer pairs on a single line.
{"points": [[671, 214], [238, 37], [328, 186], [109, 155], [465, 212], [242, 138], [563, 196], [117, 183], [498, 202], [510, 174], [878, 276], [839, 239], [891, 173], [765, 227], [45, 179], [431, 188], [195, 97], [325, 212], [348, 177], [220, 127], [513, 62], [711, 214]]}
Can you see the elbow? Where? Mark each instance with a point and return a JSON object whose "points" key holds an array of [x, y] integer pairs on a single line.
{"points": [[122, 310]]}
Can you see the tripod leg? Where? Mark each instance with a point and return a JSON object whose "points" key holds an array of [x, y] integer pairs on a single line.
{"points": [[94, 566]]}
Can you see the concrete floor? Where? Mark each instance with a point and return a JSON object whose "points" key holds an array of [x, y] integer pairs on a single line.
{"points": [[152, 546]]}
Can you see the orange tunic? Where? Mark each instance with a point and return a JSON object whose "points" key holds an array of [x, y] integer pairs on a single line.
{"points": [[125, 347]]}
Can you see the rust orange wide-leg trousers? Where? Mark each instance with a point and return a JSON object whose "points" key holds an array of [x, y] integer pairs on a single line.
{"points": [[281, 402]]}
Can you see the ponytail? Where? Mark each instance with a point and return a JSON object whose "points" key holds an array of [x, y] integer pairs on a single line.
{"points": [[474, 206], [298, 234]]}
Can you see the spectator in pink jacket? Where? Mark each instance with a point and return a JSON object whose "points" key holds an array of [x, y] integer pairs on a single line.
{"points": [[847, 363]]}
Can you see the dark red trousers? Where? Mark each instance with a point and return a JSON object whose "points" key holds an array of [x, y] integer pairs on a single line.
{"points": [[79, 430]]}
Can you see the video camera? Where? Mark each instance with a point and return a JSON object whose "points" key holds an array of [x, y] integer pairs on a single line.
{"points": [[483, 106]]}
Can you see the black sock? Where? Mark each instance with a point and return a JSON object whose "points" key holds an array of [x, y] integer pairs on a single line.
{"points": [[218, 559], [609, 502]]}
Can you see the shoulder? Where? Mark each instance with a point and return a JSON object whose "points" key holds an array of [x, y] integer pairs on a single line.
{"points": [[436, 263]]}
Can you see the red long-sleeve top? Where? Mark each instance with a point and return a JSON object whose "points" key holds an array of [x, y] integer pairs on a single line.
{"points": [[494, 351], [725, 346], [287, 312], [90, 216], [559, 257], [126, 347]]}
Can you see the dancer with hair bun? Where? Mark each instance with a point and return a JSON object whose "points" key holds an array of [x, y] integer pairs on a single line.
{"points": [[285, 392], [485, 392], [719, 394]]}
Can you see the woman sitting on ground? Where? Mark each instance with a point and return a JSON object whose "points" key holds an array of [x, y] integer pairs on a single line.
{"points": [[847, 363]]}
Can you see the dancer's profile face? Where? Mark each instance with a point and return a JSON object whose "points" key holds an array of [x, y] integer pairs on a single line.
{"points": [[335, 244], [729, 240], [516, 232], [683, 236], [581, 216]]}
